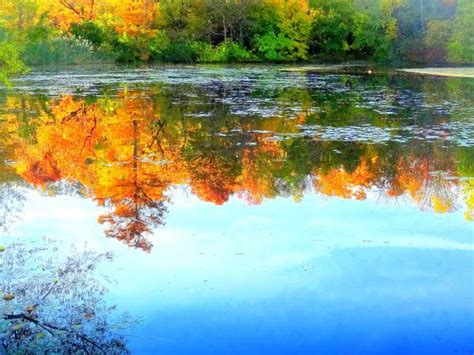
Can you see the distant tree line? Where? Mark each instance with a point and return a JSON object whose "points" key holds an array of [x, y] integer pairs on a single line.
{"points": [[389, 31]]}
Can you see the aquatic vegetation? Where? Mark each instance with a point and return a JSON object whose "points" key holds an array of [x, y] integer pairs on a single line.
{"points": [[55, 305]]}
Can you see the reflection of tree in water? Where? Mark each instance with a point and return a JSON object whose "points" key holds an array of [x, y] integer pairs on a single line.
{"points": [[131, 221], [125, 152], [428, 181], [51, 306], [441, 194], [11, 204]]}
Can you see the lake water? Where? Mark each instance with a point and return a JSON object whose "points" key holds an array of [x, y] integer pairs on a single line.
{"points": [[242, 210]]}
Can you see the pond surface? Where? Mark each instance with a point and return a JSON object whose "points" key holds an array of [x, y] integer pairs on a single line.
{"points": [[243, 210]]}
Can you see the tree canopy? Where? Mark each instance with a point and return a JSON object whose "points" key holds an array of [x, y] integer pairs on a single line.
{"points": [[64, 31]]}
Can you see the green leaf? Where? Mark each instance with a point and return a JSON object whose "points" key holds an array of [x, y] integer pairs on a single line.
{"points": [[18, 326]]}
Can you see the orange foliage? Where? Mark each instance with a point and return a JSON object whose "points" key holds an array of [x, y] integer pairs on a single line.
{"points": [[338, 182], [64, 13], [43, 171], [211, 184], [256, 180], [411, 173], [137, 16], [125, 155]]}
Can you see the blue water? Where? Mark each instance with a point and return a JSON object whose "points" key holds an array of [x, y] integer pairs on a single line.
{"points": [[328, 277]]}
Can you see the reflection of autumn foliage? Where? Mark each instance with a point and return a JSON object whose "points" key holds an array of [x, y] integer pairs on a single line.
{"points": [[257, 180], [43, 171], [469, 191], [338, 182], [130, 221], [64, 144], [130, 177], [430, 191], [109, 153], [126, 151], [212, 177], [412, 176], [211, 185]]}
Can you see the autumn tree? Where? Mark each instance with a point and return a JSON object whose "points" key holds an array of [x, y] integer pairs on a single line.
{"points": [[136, 16]]}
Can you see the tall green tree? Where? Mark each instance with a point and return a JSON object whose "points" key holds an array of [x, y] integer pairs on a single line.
{"points": [[332, 29], [461, 45]]}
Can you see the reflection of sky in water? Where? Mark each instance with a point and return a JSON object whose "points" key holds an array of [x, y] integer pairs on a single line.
{"points": [[330, 276]]}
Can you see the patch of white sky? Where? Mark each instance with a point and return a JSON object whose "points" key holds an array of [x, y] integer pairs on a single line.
{"points": [[211, 251]]}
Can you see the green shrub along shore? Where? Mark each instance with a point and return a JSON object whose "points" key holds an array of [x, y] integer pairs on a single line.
{"points": [[390, 32]]}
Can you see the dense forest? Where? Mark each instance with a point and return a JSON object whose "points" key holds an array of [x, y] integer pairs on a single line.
{"points": [[43, 32]]}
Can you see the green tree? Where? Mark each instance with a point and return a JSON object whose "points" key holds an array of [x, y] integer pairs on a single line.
{"points": [[281, 30], [461, 45], [332, 29], [10, 61], [375, 28]]}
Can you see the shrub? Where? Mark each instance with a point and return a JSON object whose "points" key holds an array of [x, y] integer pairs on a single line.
{"points": [[158, 45], [89, 31], [237, 53], [61, 51], [222, 53], [206, 53], [10, 57], [10, 62], [272, 47], [102, 36], [179, 52], [126, 50]]}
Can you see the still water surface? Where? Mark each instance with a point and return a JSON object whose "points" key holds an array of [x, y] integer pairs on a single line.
{"points": [[246, 210]]}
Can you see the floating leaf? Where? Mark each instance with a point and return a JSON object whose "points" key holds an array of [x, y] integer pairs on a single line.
{"points": [[8, 297], [18, 326], [30, 309]]}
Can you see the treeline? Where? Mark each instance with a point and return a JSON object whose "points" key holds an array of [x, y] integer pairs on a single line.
{"points": [[41, 32]]}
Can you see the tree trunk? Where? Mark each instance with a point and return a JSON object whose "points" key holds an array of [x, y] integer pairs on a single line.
{"points": [[225, 28]]}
